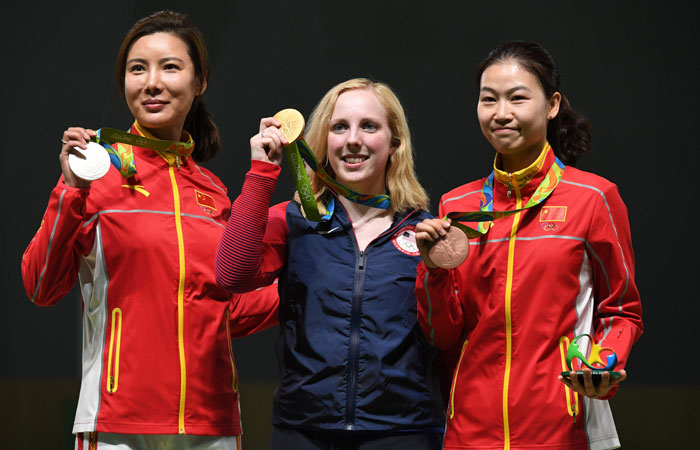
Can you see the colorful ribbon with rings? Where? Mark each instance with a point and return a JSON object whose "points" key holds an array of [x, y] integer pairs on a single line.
{"points": [[298, 152], [486, 215], [122, 157]]}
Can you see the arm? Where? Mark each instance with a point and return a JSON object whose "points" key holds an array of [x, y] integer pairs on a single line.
{"points": [[254, 311], [618, 312], [253, 246], [439, 306], [617, 319], [51, 262]]}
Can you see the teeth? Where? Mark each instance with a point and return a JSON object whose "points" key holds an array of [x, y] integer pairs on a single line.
{"points": [[354, 159]]}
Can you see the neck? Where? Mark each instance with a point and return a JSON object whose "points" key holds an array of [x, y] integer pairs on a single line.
{"points": [[360, 214], [518, 161], [166, 134]]}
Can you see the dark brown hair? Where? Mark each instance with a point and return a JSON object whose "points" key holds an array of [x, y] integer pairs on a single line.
{"points": [[198, 122], [569, 133]]}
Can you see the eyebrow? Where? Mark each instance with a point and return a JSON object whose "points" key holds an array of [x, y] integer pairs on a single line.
{"points": [[509, 91], [160, 61]]}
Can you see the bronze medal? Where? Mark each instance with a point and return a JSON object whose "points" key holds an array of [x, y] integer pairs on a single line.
{"points": [[450, 250]]}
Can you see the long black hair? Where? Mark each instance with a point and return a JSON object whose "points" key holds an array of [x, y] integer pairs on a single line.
{"points": [[569, 133], [198, 122]]}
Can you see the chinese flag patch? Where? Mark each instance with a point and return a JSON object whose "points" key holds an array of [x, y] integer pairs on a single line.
{"points": [[553, 214], [205, 200]]}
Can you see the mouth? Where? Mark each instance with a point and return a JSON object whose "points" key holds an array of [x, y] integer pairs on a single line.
{"points": [[503, 130], [153, 105], [354, 159]]}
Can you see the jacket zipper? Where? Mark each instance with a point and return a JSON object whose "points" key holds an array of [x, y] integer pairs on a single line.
{"points": [[355, 322], [508, 318], [180, 302], [113, 362], [354, 341]]}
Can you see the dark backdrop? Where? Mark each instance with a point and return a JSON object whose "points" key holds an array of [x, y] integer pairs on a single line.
{"points": [[630, 67]]}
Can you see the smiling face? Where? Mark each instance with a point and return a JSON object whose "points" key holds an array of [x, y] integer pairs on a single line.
{"points": [[160, 84], [359, 141], [513, 113]]}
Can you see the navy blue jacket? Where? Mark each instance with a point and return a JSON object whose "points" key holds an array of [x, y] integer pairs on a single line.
{"points": [[350, 351]]}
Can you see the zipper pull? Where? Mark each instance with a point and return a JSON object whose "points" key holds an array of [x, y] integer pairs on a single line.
{"points": [[574, 410], [510, 183], [361, 264], [111, 384], [177, 162]]}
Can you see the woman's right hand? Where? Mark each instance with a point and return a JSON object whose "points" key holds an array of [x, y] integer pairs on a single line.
{"points": [[74, 137], [427, 231], [268, 144]]}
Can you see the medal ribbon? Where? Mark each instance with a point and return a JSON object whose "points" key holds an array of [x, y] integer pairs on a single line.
{"points": [[297, 152], [486, 215], [122, 157]]}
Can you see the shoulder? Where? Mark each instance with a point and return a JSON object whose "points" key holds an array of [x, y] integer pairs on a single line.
{"points": [[463, 193], [209, 176], [584, 180]]}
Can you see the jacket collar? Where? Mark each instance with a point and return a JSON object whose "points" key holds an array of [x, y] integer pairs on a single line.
{"points": [[526, 180]]}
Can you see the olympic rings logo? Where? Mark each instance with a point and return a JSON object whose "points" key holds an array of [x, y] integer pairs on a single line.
{"points": [[549, 226]]}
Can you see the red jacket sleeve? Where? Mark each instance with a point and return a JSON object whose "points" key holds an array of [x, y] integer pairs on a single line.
{"points": [[254, 311], [51, 262], [440, 312], [253, 246], [618, 310]]}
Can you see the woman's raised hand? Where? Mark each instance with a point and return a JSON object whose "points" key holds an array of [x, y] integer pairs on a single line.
{"points": [[268, 144], [74, 137]]}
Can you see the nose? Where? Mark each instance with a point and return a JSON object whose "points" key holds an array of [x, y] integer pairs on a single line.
{"points": [[153, 81], [502, 112], [354, 139]]}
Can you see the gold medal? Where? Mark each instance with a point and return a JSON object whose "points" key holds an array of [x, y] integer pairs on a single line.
{"points": [[292, 123]]}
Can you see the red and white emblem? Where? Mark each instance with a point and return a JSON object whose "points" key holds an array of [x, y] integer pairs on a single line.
{"points": [[405, 240]]}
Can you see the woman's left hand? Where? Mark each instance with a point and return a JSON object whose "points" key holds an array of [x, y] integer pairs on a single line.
{"points": [[589, 389]]}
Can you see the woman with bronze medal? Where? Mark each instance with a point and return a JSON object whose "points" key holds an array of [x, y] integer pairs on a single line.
{"points": [[550, 260], [141, 234], [355, 370]]}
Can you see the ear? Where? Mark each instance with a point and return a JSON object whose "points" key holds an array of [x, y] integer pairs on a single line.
{"points": [[203, 88], [553, 107], [395, 142]]}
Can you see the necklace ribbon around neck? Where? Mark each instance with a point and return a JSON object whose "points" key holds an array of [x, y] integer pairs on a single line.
{"points": [[486, 215], [299, 152], [122, 157]]}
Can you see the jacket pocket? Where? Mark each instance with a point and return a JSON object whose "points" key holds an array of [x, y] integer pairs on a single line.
{"points": [[234, 380], [114, 348], [571, 396], [451, 406]]}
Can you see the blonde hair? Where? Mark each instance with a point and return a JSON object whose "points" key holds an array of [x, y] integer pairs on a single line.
{"points": [[401, 180]]}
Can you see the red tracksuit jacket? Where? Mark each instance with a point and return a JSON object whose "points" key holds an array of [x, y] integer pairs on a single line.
{"points": [[537, 279], [157, 355]]}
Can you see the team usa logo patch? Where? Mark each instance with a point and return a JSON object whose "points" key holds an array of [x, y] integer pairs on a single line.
{"points": [[206, 201], [405, 241], [550, 215]]}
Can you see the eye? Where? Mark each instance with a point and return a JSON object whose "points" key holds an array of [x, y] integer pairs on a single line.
{"points": [[370, 126], [338, 127], [487, 99], [171, 66], [136, 68], [518, 98]]}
